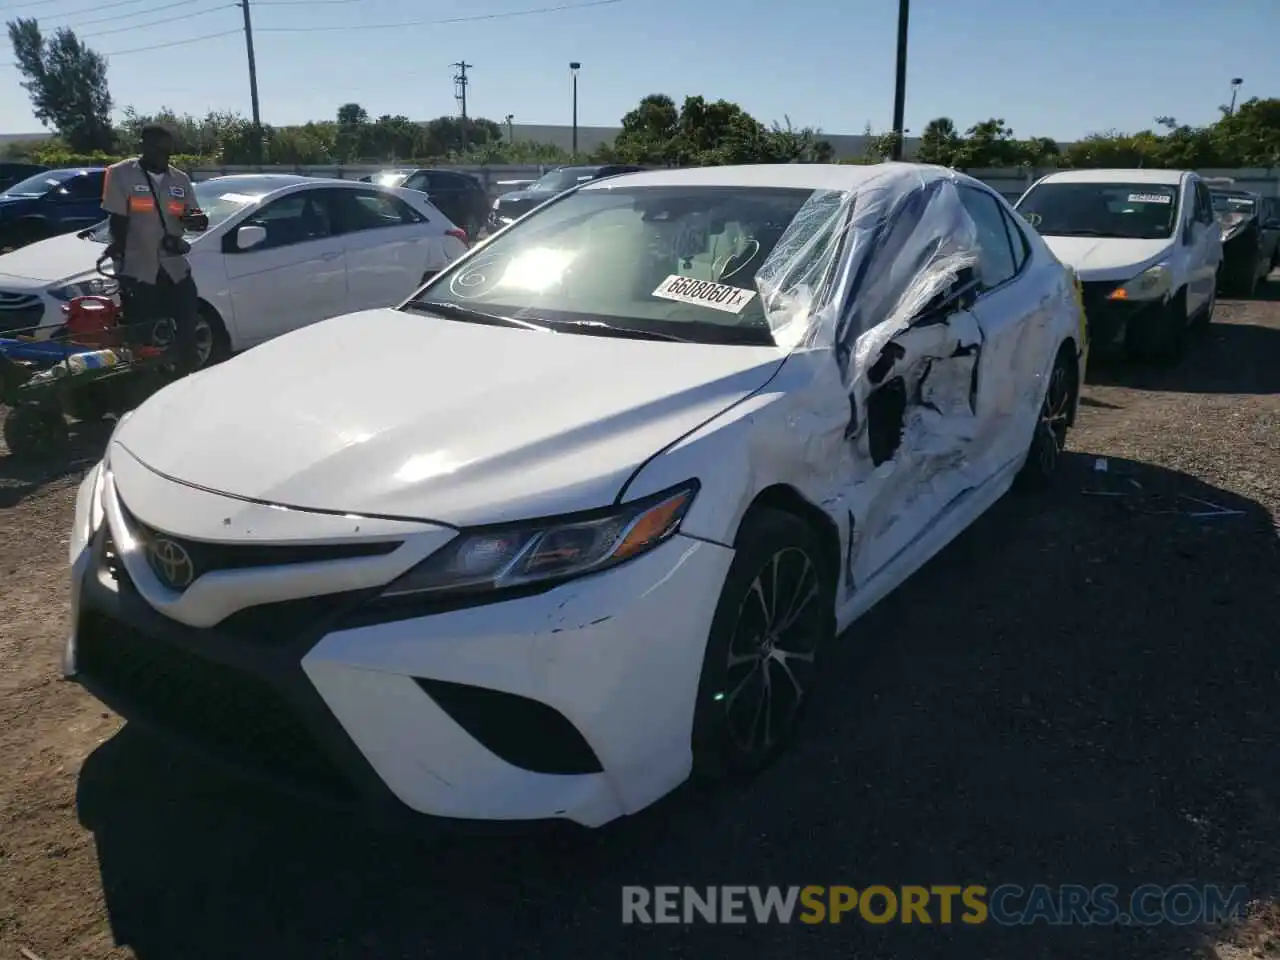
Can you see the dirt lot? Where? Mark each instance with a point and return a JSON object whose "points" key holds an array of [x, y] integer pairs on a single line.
{"points": [[1082, 689]]}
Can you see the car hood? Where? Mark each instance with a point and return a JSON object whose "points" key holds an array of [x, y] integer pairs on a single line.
{"points": [[524, 198], [398, 414], [57, 258], [1108, 258]]}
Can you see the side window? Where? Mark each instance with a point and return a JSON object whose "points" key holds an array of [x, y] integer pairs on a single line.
{"points": [[85, 187], [419, 181], [373, 210], [297, 218], [996, 263], [1021, 249], [1204, 203]]}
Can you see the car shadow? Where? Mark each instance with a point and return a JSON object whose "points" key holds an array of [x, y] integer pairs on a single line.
{"points": [[20, 477], [1080, 689], [1226, 357]]}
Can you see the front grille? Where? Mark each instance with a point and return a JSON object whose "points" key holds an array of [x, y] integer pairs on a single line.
{"points": [[19, 311], [1095, 293], [274, 624], [207, 704], [207, 556]]}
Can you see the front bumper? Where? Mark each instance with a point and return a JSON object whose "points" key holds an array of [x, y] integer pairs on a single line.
{"points": [[1109, 320], [573, 704], [29, 313]]}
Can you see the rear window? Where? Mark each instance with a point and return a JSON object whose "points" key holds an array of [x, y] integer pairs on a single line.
{"points": [[1136, 211]]}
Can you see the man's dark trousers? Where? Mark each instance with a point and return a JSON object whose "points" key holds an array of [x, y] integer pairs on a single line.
{"points": [[166, 299]]}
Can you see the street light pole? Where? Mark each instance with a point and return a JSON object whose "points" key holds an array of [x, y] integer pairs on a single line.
{"points": [[1235, 86], [574, 67], [509, 118], [900, 83]]}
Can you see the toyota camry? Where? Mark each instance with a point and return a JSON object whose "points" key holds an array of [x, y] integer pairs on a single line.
{"points": [[579, 519]]}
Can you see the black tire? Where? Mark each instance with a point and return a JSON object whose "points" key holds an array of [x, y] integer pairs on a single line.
{"points": [[35, 431], [92, 402], [1205, 316], [1050, 437], [783, 662]]}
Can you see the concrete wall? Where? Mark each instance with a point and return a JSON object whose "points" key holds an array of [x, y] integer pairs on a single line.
{"points": [[498, 180]]}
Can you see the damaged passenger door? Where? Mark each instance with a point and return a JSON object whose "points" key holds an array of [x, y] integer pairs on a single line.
{"points": [[909, 350]]}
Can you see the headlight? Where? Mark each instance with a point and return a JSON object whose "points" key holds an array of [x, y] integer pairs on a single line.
{"points": [[86, 287], [496, 204], [1151, 284], [542, 551]]}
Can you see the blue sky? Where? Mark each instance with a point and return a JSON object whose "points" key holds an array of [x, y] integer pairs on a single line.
{"points": [[1054, 69]]}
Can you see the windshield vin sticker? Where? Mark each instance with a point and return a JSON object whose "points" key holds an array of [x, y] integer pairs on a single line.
{"points": [[1150, 198], [704, 293]]}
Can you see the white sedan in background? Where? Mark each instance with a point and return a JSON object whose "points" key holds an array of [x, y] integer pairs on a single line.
{"points": [[652, 448], [281, 252]]}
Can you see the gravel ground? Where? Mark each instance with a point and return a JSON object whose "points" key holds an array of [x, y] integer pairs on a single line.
{"points": [[1082, 689]]}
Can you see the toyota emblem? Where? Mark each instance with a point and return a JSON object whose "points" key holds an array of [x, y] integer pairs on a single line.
{"points": [[171, 562]]}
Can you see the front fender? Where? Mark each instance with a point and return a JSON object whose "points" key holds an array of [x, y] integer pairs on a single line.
{"points": [[791, 432]]}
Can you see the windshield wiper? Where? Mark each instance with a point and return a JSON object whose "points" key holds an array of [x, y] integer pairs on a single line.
{"points": [[600, 328], [455, 311], [1076, 233]]}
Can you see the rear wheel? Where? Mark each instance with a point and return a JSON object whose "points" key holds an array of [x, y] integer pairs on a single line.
{"points": [[1050, 437], [776, 610]]}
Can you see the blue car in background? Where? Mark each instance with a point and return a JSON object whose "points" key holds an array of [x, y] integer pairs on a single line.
{"points": [[49, 203]]}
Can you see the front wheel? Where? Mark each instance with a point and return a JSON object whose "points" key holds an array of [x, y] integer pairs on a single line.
{"points": [[35, 431], [776, 610]]}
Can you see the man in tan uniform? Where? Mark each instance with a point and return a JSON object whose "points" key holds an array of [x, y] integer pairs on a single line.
{"points": [[151, 205]]}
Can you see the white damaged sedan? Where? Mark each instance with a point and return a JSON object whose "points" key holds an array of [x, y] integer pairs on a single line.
{"points": [[580, 518]]}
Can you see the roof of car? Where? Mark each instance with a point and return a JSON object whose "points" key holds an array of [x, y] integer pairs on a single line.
{"points": [[282, 179], [1170, 178], [802, 176]]}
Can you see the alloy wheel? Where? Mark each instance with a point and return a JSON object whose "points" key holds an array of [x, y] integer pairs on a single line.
{"points": [[771, 652], [1055, 413], [163, 333]]}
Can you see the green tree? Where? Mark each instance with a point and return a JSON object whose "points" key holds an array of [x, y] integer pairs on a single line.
{"points": [[1249, 137], [939, 142], [67, 83]]}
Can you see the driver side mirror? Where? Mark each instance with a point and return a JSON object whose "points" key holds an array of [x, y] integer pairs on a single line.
{"points": [[250, 236]]}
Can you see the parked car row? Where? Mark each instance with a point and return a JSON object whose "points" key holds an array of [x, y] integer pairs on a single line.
{"points": [[281, 252], [581, 516]]}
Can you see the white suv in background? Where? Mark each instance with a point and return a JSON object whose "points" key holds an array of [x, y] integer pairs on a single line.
{"points": [[1145, 246]]}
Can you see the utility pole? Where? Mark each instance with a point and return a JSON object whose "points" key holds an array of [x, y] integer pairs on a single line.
{"points": [[574, 67], [253, 82], [509, 118], [900, 84], [1235, 86], [460, 82]]}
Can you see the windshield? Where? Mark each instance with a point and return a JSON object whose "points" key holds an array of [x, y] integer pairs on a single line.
{"points": [[218, 198], [392, 179], [557, 181], [40, 184], [697, 263], [1133, 211]]}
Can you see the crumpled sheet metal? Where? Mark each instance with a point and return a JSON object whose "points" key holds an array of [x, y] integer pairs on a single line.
{"points": [[908, 237]]}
